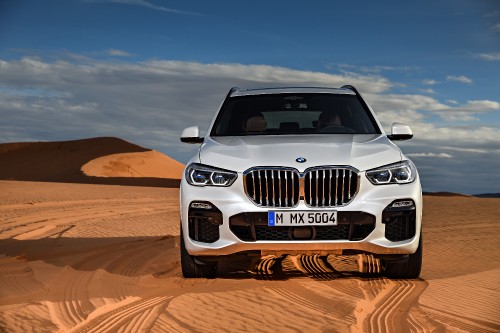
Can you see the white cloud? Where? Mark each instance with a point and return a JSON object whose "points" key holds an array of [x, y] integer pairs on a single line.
{"points": [[429, 82], [118, 53], [489, 56], [472, 150], [374, 69], [459, 78], [144, 102], [493, 14], [433, 155], [147, 4], [413, 110], [482, 106], [459, 135], [428, 91], [125, 90], [496, 27], [264, 74], [467, 111], [404, 102]]}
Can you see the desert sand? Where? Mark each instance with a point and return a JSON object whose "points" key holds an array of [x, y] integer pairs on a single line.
{"points": [[105, 258]]}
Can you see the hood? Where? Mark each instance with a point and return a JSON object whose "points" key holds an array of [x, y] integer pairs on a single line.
{"points": [[361, 151]]}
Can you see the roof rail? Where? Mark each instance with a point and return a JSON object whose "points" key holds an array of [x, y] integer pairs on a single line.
{"points": [[348, 86], [232, 90]]}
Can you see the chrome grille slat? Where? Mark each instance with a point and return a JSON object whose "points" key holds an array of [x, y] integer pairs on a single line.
{"points": [[349, 188], [324, 188], [286, 189], [336, 185], [272, 189], [279, 188], [321, 186], [255, 184], [254, 195], [317, 187], [262, 186], [267, 187], [294, 175], [330, 187], [343, 183], [309, 175]]}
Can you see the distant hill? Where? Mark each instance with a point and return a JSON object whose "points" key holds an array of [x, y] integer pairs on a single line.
{"points": [[105, 160], [488, 195], [452, 194], [445, 194]]}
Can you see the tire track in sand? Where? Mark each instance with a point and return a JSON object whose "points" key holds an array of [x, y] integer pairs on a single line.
{"points": [[45, 232], [299, 300], [128, 316], [72, 303], [388, 309], [75, 213]]}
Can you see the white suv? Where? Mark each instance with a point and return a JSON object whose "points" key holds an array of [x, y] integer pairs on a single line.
{"points": [[286, 171]]}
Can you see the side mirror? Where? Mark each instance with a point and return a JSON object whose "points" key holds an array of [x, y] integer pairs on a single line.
{"points": [[400, 131], [191, 135]]}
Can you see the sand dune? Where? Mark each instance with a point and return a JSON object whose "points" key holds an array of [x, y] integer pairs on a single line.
{"points": [[103, 160], [143, 164], [101, 258]]}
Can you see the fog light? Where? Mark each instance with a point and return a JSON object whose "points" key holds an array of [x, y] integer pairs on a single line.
{"points": [[201, 205], [402, 203]]}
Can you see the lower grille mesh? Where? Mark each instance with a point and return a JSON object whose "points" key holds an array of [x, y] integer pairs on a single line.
{"points": [[253, 227], [203, 223], [400, 230], [202, 230], [400, 224]]}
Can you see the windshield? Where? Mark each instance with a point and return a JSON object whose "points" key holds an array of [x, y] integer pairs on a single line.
{"points": [[294, 114]]}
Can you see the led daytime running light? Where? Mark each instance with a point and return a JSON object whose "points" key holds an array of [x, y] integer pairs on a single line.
{"points": [[204, 175], [398, 173]]}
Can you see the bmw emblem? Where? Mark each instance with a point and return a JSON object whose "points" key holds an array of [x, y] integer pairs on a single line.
{"points": [[300, 159]]}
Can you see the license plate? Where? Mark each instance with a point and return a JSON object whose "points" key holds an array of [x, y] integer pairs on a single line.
{"points": [[301, 218]]}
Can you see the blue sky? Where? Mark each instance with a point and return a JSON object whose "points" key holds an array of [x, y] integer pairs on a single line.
{"points": [[144, 69]]}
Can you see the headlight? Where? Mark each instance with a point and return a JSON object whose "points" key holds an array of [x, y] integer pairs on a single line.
{"points": [[397, 173], [204, 175]]}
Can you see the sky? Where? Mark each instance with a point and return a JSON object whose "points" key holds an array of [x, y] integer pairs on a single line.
{"points": [[143, 70]]}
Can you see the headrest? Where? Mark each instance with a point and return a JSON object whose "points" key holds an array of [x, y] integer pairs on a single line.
{"points": [[255, 124]]}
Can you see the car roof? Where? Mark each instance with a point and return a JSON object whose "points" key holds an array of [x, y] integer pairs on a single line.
{"points": [[291, 90]]}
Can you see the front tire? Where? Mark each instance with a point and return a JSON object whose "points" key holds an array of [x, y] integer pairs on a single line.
{"points": [[408, 270], [190, 267]]}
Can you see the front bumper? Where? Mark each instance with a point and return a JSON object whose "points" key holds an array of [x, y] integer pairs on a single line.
{"points": [[233, 204]]}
